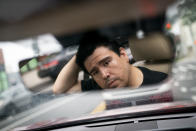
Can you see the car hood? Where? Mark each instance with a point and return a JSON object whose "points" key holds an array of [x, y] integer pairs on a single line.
{"points": [[129, 112]]}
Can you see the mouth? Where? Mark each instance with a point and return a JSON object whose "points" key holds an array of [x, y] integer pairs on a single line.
{"points": [[111, 84]]}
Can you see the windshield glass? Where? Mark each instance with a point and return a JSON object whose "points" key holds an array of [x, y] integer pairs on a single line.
{"points": [[117, 63]]}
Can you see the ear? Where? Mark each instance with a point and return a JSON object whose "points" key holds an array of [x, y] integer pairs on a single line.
{"points": [[123, 54]]}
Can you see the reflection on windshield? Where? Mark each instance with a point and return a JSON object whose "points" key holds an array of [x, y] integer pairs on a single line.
{"points": [[3, 75], [168, 74]]}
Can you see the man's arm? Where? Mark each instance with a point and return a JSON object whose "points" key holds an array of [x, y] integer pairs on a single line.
{"points": [[68, 77]]}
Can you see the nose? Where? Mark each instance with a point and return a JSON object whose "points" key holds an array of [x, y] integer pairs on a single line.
{"points": [[105, 73]]}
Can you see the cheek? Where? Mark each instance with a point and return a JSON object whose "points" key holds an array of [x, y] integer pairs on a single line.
{"points": [[119, 67], [122, 71], [99, 82], [116, 65]]}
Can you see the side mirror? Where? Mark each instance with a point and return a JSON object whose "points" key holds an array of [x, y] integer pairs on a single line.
{"points": [[35, 72]]}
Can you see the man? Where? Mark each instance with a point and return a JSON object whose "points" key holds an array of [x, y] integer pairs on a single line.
{"points": [[108, 65]]}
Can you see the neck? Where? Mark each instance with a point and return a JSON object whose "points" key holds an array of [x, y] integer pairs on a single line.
{"points": [[135, 77]]}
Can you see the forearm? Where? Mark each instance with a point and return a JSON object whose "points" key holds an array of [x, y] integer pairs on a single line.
{"points": [[68, 77]]}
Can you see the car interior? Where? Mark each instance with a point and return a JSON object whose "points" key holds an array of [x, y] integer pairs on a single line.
{"points": [[140, 26], [155, 51]]}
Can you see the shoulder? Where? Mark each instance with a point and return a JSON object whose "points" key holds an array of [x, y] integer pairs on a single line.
{"points": [[88, 85], [151, 76]]}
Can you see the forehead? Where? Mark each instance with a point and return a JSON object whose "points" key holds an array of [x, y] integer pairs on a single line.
{"points": [[99, 54]]}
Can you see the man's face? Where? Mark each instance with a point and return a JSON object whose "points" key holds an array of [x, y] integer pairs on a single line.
{"points": [[107, 68]]}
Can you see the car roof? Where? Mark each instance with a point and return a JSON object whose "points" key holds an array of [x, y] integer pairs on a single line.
{"points": [[65, 17]]}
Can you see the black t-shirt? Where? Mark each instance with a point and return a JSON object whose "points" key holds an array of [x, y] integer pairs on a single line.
{"points": [[150, 77]]}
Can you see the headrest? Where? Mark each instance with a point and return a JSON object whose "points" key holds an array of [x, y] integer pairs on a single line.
{"points": [[155, 46]]}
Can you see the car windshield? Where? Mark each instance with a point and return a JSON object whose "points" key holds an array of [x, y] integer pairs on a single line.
{"points": [[153, 72]]}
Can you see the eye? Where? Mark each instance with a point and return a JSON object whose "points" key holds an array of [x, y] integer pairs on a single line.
{"points": [[107, 62], [94, 73]]}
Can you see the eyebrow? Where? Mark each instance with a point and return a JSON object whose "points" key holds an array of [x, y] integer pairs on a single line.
{"points": [[101, 61]]}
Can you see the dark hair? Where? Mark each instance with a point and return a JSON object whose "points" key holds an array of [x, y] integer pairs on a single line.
{"points": [[89, 43]]}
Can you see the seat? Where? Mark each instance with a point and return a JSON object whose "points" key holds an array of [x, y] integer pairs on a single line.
{"points": [[155, 51]]}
